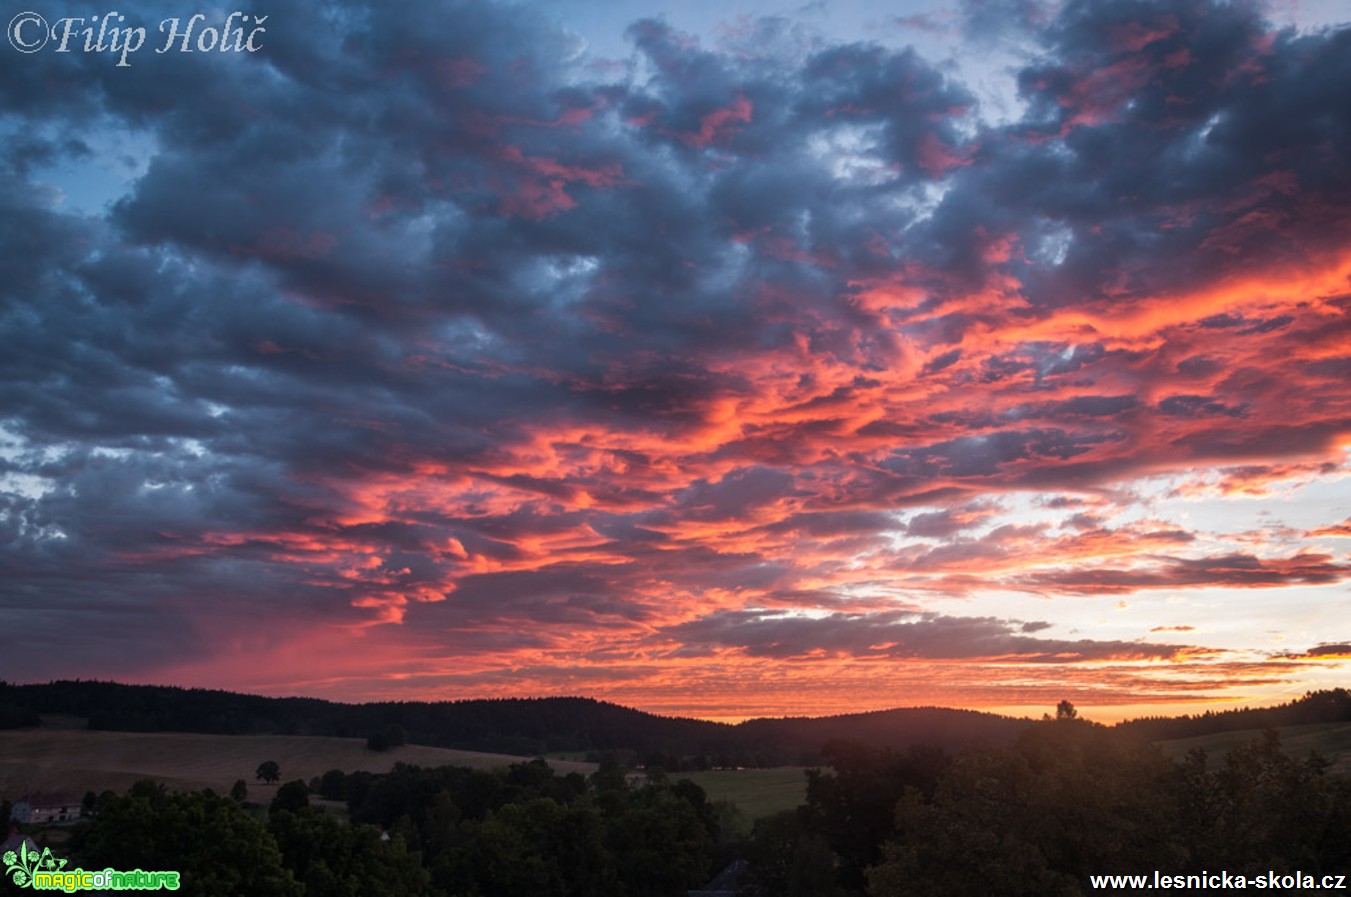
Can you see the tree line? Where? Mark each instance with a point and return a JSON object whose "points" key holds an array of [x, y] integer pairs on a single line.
{"points": [[520, 726], [532, 726], [1068, 800], [419, 832], [1326, 706]]}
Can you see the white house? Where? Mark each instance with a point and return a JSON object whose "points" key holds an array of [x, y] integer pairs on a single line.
{"points": [[42, 809]]}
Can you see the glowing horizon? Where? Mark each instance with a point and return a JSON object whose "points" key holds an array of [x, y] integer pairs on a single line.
{"points": [[734, 363]]}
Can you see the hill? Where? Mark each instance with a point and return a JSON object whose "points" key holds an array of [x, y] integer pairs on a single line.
{"points": [[895, 729], [1331, 706], [518, 726], [521, 726]]}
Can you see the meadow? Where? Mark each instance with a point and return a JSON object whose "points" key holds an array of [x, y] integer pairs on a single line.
{"points": [[75, 761], [756, 792], [1330, 740]]}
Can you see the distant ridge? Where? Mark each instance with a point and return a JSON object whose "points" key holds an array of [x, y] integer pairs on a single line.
{"points": [[521, 726], [1331, 706], [898, 728], [585, 726]]}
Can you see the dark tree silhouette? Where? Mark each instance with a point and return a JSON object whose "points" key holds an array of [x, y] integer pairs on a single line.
{"points": [[216, 846], [291, 797], [268, 771]]}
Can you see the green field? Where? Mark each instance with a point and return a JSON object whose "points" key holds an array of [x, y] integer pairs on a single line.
{"points": [[1332, 740], [75, 761], [757, 792]]}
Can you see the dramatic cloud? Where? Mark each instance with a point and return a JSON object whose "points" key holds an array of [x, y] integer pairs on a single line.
{"points": [[436, 352], [1240, 570], [1324, 652], [900, 635]]}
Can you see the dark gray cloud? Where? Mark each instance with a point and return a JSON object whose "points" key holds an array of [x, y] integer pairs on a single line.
{"points": [[1233, 571], [899, 635], [1324, 651]]}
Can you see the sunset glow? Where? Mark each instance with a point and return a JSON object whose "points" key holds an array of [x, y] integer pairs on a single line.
{"points": [[740, 362]]}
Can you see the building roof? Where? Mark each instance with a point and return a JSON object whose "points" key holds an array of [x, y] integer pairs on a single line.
{"points": [[54, 799]]}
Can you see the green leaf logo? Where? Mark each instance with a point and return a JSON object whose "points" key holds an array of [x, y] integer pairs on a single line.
{"points": [[21, 866]]}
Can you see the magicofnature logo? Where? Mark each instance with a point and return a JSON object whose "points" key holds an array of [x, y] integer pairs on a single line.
{"points": [[43, 871]]}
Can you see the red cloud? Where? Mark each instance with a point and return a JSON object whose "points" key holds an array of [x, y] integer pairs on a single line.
{"points": [[717, 125]]}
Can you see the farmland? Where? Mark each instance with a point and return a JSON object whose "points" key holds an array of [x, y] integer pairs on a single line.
{"points": [[1331, 740], [757, 792], [76, 761]]}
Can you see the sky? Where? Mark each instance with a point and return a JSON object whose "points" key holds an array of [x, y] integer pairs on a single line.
{"points": [[720, 359]]}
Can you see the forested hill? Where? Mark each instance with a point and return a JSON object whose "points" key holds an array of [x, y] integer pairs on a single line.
{"points": [[1332, 706], [530, 726], [937, 726], [524, 726]]}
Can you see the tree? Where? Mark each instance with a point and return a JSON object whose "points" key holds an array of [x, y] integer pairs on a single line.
{"points": [[853, 806], [972, 838], [1065, 711], [213, 843], [391, 736], [660, 842], [291, 796], [788, 858], [538, 848], [339, 860], [333, 785], [609, 776], [268, 771], [239, 792], [1070, 799], [1268, 810]]}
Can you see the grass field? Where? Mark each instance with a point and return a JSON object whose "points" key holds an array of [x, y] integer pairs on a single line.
{"points": [[757, 792], [1332, 740], [76, 761]]}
